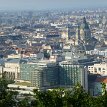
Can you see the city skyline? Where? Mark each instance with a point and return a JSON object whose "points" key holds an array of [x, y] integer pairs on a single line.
{"points": [[49, 4]]}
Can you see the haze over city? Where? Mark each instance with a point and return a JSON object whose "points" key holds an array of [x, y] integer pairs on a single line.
{"points": [[53, 53], [50, 4]]}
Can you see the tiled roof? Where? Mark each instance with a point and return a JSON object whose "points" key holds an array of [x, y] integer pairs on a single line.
{"points": [[101, 79]]}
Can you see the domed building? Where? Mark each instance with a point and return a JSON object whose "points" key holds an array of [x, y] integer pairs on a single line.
{"points": [[83, 36]]}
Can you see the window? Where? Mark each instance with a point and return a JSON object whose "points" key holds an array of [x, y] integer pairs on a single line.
{"points": [[99, 69], [95, 69], [103, 69]]}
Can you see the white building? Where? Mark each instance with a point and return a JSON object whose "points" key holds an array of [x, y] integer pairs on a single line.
{"points": [[14, 56], [12, 69], [100, 68]]}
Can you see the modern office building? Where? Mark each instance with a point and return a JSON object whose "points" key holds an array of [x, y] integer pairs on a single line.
{"points": [[72, 74], [46, 74], [42, 74], [51, 76], [32, 73]]}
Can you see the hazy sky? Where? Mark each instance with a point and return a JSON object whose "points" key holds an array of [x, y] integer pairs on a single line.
{"points": [[50, 4]]}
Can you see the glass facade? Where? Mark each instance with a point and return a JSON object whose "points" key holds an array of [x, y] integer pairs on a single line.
{"points": [[70, 75], [40, 76], [52, 75], [32, 73]]}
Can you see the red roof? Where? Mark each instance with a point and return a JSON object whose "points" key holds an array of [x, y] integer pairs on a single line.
{"points": [[101, 79]]}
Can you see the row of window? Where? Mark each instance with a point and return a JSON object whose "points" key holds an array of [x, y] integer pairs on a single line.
{"points": [[99, 69]]}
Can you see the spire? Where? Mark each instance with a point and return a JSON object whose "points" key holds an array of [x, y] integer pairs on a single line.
{"points": [[86, 26], [87, 32], [78, 34]]}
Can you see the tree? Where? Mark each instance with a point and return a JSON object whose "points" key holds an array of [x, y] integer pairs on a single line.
{"points": [[50, 98], [6, 97]]}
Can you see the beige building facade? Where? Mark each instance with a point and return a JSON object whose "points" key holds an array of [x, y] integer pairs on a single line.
{"points": [[100, 68]]}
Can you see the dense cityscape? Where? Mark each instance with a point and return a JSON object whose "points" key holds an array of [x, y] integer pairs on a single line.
{"points": [[55, 49]]}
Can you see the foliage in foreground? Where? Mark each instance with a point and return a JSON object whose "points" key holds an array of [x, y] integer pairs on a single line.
{"points": [[77, 97]]}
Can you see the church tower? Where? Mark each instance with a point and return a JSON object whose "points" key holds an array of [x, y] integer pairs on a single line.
{"points": [[78, 38], [86, 29]]}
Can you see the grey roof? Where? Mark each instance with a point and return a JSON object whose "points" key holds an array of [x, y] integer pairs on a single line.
{"points": [[15, 60]]}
